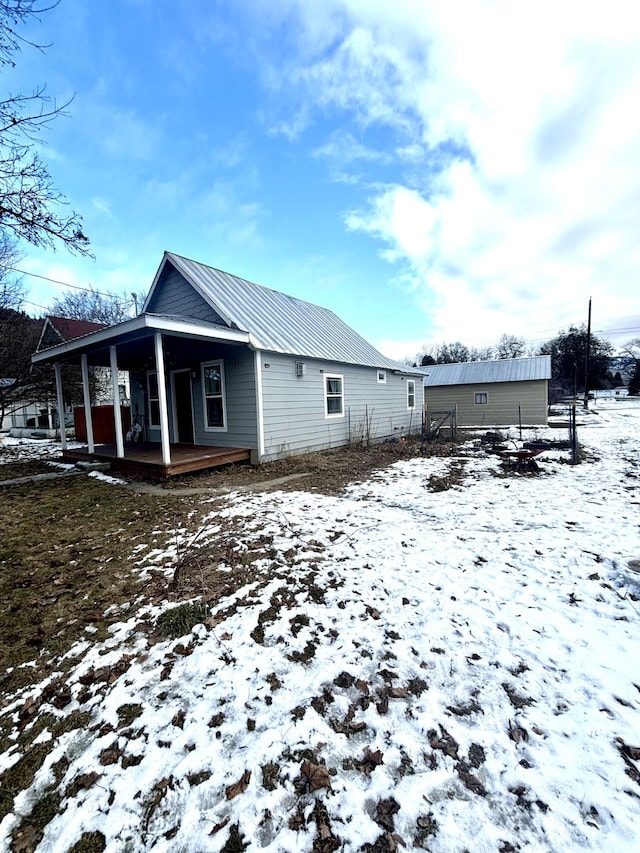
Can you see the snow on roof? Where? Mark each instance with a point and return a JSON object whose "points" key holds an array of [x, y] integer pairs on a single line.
{"points": [[501, 370]]}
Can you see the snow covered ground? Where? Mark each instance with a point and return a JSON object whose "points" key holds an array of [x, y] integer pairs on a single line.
{"points": [[410, 666]]}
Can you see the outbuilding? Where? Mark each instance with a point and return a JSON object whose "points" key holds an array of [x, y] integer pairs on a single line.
{"points": [[504, 392]]}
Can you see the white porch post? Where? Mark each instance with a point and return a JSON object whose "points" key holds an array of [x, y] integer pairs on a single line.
{"points": [[259, 403], [63, 432], [87, 402], [116, 403], [162, 399]]}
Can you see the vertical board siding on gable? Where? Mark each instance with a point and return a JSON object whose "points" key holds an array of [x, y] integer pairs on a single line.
{"points": [[175, 296], [502, 406], [294, 407]]}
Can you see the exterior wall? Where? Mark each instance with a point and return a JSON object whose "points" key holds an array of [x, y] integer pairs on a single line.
{"points": [[501, 409], [175, 296], [240, 394], [294, 406]]}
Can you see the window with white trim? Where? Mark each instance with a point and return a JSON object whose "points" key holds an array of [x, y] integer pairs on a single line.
{"points": [[154, 399], [333, 395], [411, 393], [382, 377], [481, 398], [214, 405]]}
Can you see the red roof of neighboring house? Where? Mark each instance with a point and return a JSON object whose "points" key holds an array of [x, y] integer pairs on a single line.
{"points": [[69, 330]]}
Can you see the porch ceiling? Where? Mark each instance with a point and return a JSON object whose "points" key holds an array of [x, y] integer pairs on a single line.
{"points": [[184, 341]]}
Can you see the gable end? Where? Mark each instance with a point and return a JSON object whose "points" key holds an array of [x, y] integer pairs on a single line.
{"points": [[173, 295]]}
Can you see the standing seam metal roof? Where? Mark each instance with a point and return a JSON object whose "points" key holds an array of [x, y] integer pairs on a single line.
{"points": [[277, 322], [480, 372]]}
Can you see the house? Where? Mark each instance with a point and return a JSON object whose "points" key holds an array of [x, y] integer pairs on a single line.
{"points": [[57, 330], [24, 415], [223, 369], [505, 392]]}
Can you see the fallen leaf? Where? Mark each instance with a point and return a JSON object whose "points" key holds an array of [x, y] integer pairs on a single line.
{"points": [[220, 826], [313, 777], [240, 786], [398, 693]]}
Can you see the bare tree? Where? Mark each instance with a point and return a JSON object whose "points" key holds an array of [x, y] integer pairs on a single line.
{"points": [[30, 205], [510, 346], [632, 349], [11, 286], [107, 308], [19, 383], [480, 353], [452, 352]]}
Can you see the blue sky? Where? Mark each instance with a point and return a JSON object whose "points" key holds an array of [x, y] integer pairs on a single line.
{"points": [[429, 171]]}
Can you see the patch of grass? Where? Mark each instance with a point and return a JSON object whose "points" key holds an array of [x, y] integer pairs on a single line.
{"points": [[89, 842], [127, 714], [180, 620], [516, 699], [65, 557], [31, 468]]}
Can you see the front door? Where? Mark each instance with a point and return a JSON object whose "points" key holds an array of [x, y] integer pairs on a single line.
{"points": [[182, 406]]}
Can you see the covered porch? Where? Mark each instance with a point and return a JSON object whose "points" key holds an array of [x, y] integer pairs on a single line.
{"points": [[192, 427], [145, 459]]}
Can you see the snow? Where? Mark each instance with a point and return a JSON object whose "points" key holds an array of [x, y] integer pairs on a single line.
{"points": [[463, 663]]}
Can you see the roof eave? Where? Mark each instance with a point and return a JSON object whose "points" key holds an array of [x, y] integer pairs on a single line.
{"points": [[141, 323]]}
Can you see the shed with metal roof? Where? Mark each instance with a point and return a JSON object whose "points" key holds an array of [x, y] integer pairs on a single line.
{"points": [[491, 393]]}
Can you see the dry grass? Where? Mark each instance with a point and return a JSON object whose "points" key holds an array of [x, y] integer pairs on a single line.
{"points": [[66, 557]]}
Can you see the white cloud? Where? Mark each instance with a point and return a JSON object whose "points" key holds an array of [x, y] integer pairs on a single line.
{"points": [[530, 203]]}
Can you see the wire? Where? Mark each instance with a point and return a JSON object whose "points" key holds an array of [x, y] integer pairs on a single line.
{"points": [[89, 289]]}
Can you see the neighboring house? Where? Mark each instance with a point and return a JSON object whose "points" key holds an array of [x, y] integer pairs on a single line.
{"points": [[57, 330], [217, 361], [491, 393], [25, 417]]}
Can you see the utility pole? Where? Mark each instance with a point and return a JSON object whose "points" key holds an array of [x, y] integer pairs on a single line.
{"points": [[586, 360]]}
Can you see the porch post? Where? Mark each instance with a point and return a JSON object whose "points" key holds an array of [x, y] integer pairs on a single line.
{"points": [[87, 402], [259, 402], [162, 399], [116, 403], [63, 432]]}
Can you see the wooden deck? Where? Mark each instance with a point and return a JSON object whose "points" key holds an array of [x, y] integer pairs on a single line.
{"points": [[145, 460]]}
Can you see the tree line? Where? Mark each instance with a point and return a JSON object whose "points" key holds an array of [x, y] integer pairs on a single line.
{"points": [[568, 351]]}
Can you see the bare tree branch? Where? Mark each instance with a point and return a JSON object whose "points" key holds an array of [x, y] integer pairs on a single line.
{"points": [[30, 205]]}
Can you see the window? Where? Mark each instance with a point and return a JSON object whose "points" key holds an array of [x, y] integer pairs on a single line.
{"points": [[481, 398], [411, 393], [333, 396], [213, 394], [382, 377], [154, 400]]}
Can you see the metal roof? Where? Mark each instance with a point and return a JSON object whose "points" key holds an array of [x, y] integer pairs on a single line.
{"points": [[485, 372], [276, 322]]}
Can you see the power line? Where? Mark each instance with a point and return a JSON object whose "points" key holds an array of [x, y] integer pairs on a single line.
{"points": [[89, 289]]}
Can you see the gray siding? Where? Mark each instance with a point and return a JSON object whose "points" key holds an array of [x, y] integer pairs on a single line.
{"points": [[240, 394], [175, 296], [501, 409], [294, 407]]}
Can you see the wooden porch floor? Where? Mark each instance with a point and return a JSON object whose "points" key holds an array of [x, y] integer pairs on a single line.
{"points": [[145, 459]]}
